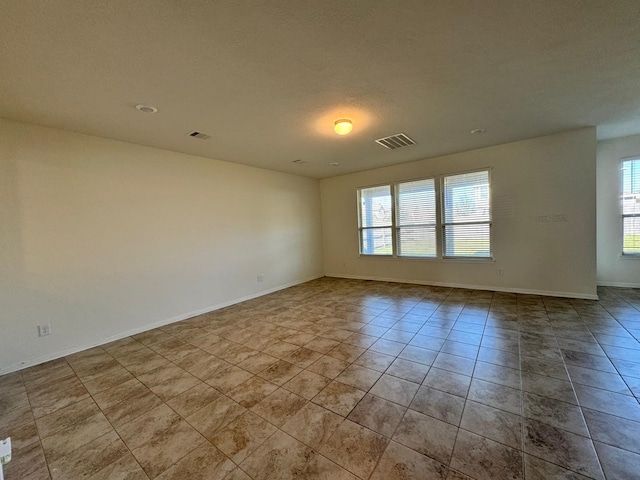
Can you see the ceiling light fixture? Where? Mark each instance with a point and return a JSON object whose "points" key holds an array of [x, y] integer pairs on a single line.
{"points": [[342, 126], [146, 109]]}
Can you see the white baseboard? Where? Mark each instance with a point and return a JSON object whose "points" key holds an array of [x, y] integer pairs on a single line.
{"points": [[474, 287], [150, 326], [619, 284]]}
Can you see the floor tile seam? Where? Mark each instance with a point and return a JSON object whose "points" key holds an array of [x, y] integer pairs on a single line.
{"points": [[565, 467], [464, 407], [609, 443], [42, 416], [74, 422], [39, 440], [257, 447], [77, 371], [523, 429], [622, 377], [390, 437], [387, 438], [50, 462], [586, 424], [204, 439], [33, 391], [17, 407]]}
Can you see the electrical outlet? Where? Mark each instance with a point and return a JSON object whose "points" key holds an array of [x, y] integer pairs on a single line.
{"points": [[260, 277], [44, 330], [500, 272]]}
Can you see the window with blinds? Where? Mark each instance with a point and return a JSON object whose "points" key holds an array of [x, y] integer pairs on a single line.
{"points": [[631, 207], [466, 215], [416, 218], [403, 219], [376, 220]]}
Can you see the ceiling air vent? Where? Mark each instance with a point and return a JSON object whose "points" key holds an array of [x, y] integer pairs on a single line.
{"points": [[200, 135], [395, 141]]}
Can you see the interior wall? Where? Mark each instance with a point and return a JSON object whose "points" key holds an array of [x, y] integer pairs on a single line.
{"points": [[102, 238], [613, 269], [544, 219]]}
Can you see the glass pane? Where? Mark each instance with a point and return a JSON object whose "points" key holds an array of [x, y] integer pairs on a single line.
{"points": [[416, 203], [376, 241], [466, 198], [467, 240], [375, 206], [417, 241], [631, 231], [631, 186]]}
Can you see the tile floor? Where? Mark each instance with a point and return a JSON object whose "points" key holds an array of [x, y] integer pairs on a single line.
{"points": [[344, 379]]}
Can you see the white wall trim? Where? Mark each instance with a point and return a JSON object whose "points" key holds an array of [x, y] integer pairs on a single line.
{"points": [[474, 287], [619, 284], [150, 326]]}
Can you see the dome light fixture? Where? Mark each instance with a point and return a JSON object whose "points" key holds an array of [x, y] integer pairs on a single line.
{"points": [[342, 126], [146, 108]]}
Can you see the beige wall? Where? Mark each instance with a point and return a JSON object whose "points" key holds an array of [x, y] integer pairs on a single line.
{"points": [[553, 175], [103, 238], [612, 268]]}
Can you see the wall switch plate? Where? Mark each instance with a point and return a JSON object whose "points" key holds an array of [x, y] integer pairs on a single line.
{"points": [[44, 330]]}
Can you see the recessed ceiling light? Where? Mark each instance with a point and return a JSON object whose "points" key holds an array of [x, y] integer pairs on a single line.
{"points": [[478, 131], [342, 126], [146, 108]]}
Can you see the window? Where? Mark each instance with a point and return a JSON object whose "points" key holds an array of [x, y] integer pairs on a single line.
{"points": [[466, 222], [631, 207], [376, 221], [403, 219], [416, 220]]}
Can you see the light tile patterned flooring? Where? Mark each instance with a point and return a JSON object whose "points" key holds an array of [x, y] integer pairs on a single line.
{"points": [[344, 379]]}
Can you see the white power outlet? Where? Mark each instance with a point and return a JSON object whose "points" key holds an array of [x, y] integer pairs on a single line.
{"points": [[260, 277], [500, 272], [44, 330]]}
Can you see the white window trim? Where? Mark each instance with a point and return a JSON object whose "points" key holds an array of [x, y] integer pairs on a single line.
{"points": [[630, 256], [443, 224], [439, 226]]}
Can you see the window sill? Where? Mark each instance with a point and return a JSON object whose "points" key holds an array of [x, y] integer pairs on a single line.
{"points": [[431, 259], [629, 256]]}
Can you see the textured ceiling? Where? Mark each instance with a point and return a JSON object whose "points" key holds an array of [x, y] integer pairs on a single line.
{"points": [[267, 79]]}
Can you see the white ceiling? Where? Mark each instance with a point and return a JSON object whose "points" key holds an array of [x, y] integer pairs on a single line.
{"points": [[267, 79]]}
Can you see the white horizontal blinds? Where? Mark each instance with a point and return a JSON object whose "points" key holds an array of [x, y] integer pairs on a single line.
{"points": [[416, 218], [631, 206], [376, 217], [467, 215]]}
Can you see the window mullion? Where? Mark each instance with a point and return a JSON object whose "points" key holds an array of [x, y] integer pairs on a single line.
{"points": [[439, 218], [394, 221]]}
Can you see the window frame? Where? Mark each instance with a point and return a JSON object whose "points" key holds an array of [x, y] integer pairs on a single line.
{"points": [[396, 221], [362, 229], [444, 223], [438, 185], [623, 215]]}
